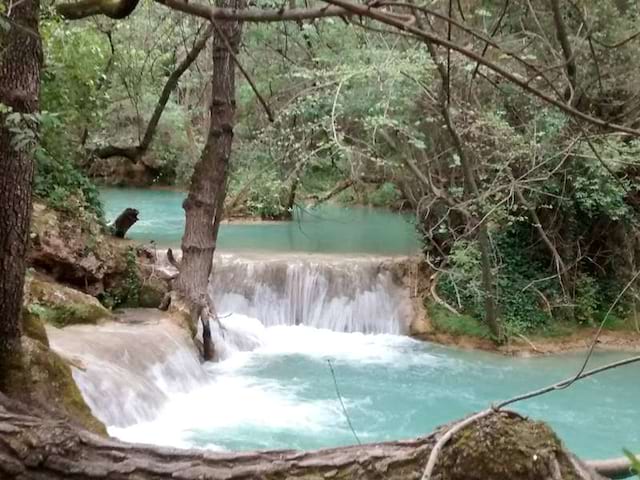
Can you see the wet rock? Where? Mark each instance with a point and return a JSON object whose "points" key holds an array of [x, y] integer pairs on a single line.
{"points": [[59, 305], [40, 380], [120, 171]]}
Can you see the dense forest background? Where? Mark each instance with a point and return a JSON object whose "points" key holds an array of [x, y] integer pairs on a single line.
{"points": [[529, 215]]}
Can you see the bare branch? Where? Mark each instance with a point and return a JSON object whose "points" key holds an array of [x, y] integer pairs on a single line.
{"points": [[394, 21]]}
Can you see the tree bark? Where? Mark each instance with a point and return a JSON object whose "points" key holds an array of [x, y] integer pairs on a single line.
{"points": [[20, 61], [204, 203], [567, 51]]}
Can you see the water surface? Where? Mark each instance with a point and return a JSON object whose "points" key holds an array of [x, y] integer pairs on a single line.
{"points": [[325, 229], [282, 395]]}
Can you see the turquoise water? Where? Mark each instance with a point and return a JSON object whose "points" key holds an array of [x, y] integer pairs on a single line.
{"points": [[282, 395], [326, 229]]}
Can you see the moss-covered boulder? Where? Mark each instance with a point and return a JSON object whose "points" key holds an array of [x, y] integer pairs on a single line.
{"points": [[505, 446], [41, 379], [33, 327], [152, 292], [59, 305]]}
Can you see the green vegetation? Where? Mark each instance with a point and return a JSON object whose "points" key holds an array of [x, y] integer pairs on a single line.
{"points": [[52, 303], [635, 464], [359, 119], [126, 292]]}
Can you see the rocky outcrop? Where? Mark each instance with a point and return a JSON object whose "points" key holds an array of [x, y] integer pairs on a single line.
{"points": [[120, 171], [59, 305], [41, 380], [414, 274], [75, 251]]}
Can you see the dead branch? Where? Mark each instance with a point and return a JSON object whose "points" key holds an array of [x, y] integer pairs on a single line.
{"points": [[339, 187]]}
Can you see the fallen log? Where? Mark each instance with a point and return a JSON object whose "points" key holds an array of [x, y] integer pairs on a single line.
{"points": [[41, 448]]}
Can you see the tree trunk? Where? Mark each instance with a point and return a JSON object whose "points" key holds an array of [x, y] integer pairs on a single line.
{"points": [[45, 449], [20, 60], [204, 203], [124, 222]]}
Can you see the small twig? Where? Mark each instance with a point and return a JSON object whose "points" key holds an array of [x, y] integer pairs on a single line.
{"points": [[601, 327], [437, 298], [568, 382], [530, 343], [344, 409], [435, 452]]}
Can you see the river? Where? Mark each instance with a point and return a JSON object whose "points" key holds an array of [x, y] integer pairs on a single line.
{"points": [[293, 297]]}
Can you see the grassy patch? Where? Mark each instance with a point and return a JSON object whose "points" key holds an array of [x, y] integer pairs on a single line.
{"points": [[447, 322]]}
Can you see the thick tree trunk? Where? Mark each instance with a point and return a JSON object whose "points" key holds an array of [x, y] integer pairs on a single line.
{"points": [[204, 203], [20, 60], [39, 449]]}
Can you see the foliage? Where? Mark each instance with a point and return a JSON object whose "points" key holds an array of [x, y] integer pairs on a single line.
{"points": [[457, 325], [635, 463], [125, 292], [361, 105]]}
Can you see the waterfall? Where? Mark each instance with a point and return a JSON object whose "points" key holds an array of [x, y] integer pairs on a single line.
{"points": [[129, 369], [339, 293], [126, 372]]}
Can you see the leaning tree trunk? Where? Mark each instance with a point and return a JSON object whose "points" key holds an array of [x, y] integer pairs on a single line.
{"points": [[42, 448], [20, 60], [204, 203]]}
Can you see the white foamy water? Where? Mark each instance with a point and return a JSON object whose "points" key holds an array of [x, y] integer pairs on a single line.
{"points": [[233, 398], [339, 293], [274, 388], [149, 387], [128, 372]]}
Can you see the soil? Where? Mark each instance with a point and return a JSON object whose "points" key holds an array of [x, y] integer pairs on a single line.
{"points": [[613, 340]]}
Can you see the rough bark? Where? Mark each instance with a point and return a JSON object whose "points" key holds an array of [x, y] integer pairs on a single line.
{"points": [[124, 222], [37, 448], [20, 61], [204, 203]]}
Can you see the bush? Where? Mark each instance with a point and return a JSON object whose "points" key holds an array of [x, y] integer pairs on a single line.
{"points": [[385, 196], [57, 181]]}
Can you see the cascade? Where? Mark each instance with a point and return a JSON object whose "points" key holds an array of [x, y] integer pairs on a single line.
{"points": [[339, 293], [129, 369], [126, 372]]}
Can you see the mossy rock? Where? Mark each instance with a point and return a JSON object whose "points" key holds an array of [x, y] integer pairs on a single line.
{"points": [[152, 292], [41, 377], [505, 446], [60, 305], [33, 327]]}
